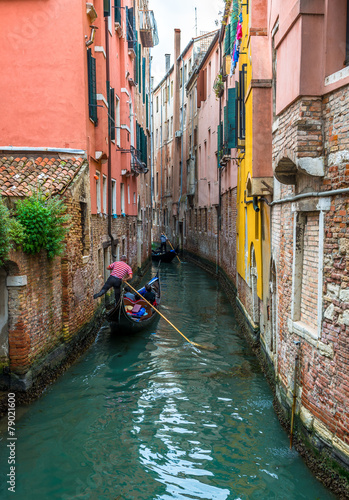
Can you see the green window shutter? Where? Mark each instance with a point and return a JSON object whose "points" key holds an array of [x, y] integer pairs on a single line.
{"points": [[143, 79], [139, 65], [225, 123], [231, 135], [106, 8], [92, 98], [117, 11], [136, 60], [147, 111], [112, 114]]}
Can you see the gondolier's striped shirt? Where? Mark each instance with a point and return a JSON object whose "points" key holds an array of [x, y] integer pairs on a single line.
{"points": [[120, 269]]}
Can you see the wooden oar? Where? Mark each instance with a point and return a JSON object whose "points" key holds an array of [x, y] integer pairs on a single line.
{"points": [[168, 321], [173, 249]]}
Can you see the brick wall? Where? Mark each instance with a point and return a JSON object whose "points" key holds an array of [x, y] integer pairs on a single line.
{"points": [[309, 294], [324, 361], [203, 243], [57, 304]]}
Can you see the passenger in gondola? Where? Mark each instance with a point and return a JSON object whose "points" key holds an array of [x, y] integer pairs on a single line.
{"points": [[163, 240], [148, 294], [129, 294]]}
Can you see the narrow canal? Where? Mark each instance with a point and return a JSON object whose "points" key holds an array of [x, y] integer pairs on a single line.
{"points": [[148, 417]]}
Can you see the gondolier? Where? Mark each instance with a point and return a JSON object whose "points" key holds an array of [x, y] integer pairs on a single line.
{"points": [[163, 240], [120, 271]]}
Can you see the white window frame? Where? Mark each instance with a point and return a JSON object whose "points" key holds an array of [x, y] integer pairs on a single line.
{"points": [[122, 197], [117, 120], [98, 191], [105, 184], [113, 196]]}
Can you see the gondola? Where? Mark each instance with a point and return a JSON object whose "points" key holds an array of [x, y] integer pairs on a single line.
{"points": [[132, 316], [166, 257]]}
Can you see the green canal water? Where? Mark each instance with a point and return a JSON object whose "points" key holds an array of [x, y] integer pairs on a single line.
{"points": [[148, 417]]}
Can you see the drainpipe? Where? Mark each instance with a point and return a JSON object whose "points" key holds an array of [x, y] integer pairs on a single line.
{"points": [[151, 137], [219, 215], [182, 140], [109, 141], [161, 147]]}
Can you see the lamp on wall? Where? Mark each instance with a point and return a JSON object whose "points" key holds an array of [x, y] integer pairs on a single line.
{"points": [[92, 35]]}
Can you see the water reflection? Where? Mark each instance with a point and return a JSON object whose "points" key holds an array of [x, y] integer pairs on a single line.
{"points": [[149, 417]]}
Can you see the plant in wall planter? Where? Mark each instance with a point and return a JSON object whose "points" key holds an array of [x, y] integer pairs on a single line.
{"points": [[218, 86]]}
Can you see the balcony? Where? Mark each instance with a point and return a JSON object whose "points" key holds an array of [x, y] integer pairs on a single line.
{"points": [[147, 28], [137, 165]]}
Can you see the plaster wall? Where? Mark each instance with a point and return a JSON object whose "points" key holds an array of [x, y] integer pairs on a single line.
{"points": [[43, 94]]}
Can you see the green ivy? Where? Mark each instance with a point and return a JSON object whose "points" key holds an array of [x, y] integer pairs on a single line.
{"points": [[11, 232], [44, 222]]}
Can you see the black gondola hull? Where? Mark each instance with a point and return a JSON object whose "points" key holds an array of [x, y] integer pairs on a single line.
{"points": [[120, 321], [166, 257]]}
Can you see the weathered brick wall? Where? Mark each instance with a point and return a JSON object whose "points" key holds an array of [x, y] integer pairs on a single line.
{"points": [[323, 367], [228, 234], [57, 301], [201, 238]]}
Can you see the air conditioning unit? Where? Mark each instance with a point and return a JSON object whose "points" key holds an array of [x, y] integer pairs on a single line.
{"points": [[178, 133]]}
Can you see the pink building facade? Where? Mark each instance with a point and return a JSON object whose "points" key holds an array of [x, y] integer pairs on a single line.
{"points": [[76, 88]]}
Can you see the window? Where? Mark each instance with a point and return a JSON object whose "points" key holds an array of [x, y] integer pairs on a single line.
{"points": [[185, 115], [230, 120], [107, 13], [171, 129], [111, 115], [241, 101], [171, 88], [117, 120], [307, 272], [98, 191], [180, 77], [164, 95], [128, 195], [130, 28], [134, 198], [92, 98], [122, 197], [185, 74], [104, 194], [157, 103], [117, 11], [113, 196]]}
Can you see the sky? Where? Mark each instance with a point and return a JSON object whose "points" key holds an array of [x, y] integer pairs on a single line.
{"points": [[171, 14]]}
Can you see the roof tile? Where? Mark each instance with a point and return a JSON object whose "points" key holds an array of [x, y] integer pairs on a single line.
{"points": [[18, 176]]}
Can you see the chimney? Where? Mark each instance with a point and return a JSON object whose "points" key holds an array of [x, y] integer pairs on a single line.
{"points": [[177, 43], [168, 61]]}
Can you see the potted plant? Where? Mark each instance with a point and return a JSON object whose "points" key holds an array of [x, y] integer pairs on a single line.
{"points": [[218, 86]]}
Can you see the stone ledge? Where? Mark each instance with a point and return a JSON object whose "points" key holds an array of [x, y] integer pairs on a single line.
{"points": [[300, 329], [17, 281]]}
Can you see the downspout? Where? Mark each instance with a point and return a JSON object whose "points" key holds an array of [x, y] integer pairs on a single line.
{"points": [[161, 146], [151, 138], [219, 215], [109, 141], [182, 140]]}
